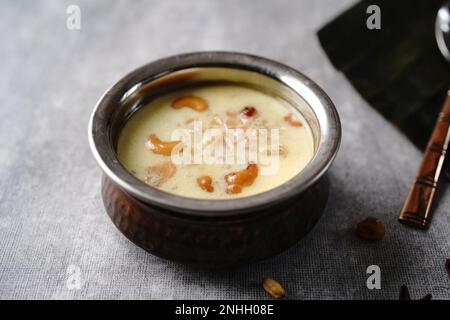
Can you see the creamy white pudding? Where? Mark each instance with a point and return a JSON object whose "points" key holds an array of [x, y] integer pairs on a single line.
{"points": [[147, 147]]}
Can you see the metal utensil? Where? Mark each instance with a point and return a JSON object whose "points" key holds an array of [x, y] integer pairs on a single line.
{"points": [[442, 30], [417, 208]]}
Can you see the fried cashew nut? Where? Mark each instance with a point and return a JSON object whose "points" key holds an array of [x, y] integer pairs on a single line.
{"points": [[159, 173], [239, 179], [193, 102], [161, 147], [205, 182]]}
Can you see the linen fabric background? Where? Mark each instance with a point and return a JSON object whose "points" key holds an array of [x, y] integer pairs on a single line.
{"points": [[51, 213]]}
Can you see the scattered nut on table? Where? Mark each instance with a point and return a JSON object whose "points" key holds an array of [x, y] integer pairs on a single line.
{"points": [[273, 288], [370, 229]]}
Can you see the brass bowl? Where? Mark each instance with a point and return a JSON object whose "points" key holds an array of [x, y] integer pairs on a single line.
{"points": [[214, 233]]}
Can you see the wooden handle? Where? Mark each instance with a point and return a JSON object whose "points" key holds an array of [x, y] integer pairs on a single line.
{"points": [[416, 210]]}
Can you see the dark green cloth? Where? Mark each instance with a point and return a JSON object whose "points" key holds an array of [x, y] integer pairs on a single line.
{"points": [[398, 69]]}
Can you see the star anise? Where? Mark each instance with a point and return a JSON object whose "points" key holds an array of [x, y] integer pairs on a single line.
{"points": [[404, 294], [447, 266]]}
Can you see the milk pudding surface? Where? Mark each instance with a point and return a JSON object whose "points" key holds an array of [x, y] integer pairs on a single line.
{"points": [[220, 141]]}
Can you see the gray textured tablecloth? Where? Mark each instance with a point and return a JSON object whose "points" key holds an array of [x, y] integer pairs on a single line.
{"points": [[51, 214]]}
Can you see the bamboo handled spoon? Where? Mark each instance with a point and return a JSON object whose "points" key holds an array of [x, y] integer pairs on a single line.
{"points": [[417, 208]]}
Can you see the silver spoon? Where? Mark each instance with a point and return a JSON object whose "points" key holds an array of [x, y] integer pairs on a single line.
{"points": [[417, 209], [442, 30], [442, 33]]}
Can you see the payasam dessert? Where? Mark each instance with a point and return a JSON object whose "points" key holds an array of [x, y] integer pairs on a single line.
{"points": [[216, 142]]}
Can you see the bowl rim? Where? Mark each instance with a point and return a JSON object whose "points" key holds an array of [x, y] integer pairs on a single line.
{"points": [[324, 110]]}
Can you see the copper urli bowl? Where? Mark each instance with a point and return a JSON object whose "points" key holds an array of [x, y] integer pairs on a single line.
{"points": [[214, 233]]}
